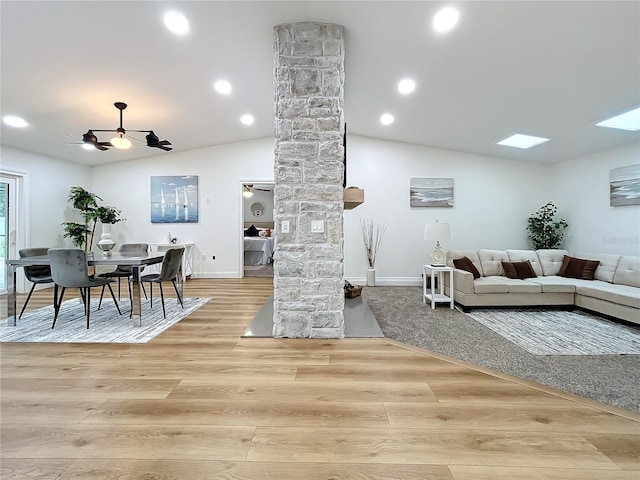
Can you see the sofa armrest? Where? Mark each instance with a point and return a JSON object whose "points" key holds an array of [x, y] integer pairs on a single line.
{"points": [[463, 281]]}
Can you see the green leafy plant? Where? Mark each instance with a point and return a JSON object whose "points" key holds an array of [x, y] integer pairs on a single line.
{"points": [[82, 234], [545, 230]]}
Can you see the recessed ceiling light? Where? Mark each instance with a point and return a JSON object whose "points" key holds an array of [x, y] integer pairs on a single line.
{"points": [[386, 119], [625, 121], [247, 119], [445, 19], [406, 86], [14, 121], [176, 22], [223, 87], [519, 140]]}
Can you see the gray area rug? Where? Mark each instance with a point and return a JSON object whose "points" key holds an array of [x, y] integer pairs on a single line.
{"points": [[105, 325], [612, 379], [554, 332]]}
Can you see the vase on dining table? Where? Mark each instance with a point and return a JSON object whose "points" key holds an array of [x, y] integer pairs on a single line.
{"points": [[106, 244]]}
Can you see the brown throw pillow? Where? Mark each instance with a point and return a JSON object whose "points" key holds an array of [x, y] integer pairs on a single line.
{"points": [[578, 268], [520, 270], [467, 265]]}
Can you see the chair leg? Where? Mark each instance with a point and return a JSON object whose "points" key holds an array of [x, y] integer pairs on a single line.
{"points": [[164, 314], [119, 297], [87, 303], [114, 298], [28, 298], [56, 303], [175, 287], [144, 291], [101, 295]]}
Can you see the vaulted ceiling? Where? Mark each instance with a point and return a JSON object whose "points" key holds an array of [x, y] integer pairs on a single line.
{"points": [[544, 68]]}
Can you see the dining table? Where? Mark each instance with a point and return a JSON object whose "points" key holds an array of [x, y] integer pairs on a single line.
{"points": [[137, 263]]}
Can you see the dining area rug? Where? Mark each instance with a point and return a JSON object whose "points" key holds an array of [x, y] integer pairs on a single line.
{"points": [[105, 325]]}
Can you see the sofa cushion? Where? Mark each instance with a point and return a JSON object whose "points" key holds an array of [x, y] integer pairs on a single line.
{"points": [[551, 260], [581, 268], [556, 284], [628, 272], [621, 294], [519, 270], [467, 265], [492, 284], [470, 254], [523, 255], [491, 262], [607, 267]]}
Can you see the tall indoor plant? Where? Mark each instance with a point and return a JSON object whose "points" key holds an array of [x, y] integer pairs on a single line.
{"points": [[82, 234], [545, 230]]}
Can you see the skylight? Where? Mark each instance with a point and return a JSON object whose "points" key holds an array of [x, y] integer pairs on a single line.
{"points": [[625, 121], [519, 140]]}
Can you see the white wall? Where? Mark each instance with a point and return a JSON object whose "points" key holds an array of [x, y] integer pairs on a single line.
{"points": [[581, 190], [48, 181], [220, 170], [493, 199]]}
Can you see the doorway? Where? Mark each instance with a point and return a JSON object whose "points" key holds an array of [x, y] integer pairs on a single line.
{"points": [[258, 228]]}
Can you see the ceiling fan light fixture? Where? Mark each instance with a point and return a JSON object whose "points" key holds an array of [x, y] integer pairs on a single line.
{"points": [[246, 192], [121, 142]]}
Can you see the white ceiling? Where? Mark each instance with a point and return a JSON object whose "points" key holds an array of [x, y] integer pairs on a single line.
{"points": [[543, 68]]}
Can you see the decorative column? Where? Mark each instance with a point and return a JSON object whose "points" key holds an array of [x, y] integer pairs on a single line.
{"points": [[308, 196]]}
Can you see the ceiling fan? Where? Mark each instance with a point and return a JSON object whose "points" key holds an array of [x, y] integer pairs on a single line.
{"points": [[121, 141], [248, 189]]}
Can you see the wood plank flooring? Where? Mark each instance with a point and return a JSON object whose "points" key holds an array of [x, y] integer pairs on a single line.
{"points": [[199, 402]]}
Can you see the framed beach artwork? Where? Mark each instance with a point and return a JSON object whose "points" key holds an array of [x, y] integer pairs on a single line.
{"points": [[431, 192], [174, 199], [624, 186]]}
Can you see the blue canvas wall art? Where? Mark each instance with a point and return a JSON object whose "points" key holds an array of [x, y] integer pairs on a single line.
{"points": [[174, 199]]}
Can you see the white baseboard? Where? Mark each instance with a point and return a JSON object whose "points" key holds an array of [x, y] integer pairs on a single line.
{"points": [[388, 281]]}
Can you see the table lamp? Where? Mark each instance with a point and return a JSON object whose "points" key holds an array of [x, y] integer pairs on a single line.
{"points": [[436, 232]]}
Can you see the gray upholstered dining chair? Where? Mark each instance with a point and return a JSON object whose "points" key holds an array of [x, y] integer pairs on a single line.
{"points": [[125, 271], [36, 274], [169, 271], [69, 270]]}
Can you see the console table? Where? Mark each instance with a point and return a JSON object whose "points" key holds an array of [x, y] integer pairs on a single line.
{"points": [[187, 258], [436, 294]]}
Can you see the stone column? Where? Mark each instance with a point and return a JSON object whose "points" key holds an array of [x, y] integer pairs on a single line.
{"points": [[309, 98]]}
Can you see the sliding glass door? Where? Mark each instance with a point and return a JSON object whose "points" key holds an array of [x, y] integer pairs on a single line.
{"points": [[7, 227]]}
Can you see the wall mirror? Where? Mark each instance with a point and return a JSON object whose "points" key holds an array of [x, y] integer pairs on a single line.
{"points": [[257, 209]]}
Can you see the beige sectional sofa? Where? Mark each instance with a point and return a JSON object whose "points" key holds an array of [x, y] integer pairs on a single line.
{"points": [[614, 291]]}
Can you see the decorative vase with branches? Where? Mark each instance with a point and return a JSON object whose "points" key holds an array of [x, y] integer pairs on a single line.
{"points": [[372, 237], [545, 230]]}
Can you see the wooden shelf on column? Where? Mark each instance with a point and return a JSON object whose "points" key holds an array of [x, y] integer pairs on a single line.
{"points": [[353, 197]]}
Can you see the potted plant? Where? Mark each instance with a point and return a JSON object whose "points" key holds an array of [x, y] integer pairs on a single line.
{"points": [[82, 234], [546, 231]]}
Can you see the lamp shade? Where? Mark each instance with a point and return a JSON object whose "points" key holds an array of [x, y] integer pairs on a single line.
{"points": [[436, 231]]}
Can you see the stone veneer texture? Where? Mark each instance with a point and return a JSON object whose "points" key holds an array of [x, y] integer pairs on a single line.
{"points": [[309, 98]]}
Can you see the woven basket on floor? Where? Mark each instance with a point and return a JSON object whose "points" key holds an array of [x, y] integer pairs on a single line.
{"points": [[353, 292]]}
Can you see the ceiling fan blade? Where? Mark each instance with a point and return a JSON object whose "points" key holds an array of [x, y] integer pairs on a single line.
{"points": [[166, 149]]}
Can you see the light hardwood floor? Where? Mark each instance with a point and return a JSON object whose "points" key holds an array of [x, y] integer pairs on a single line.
{"points": [[201, 403]]}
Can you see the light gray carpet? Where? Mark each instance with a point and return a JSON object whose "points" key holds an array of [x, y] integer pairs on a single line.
{"points": [[555, 332], [105, 325], [612, 379]]}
